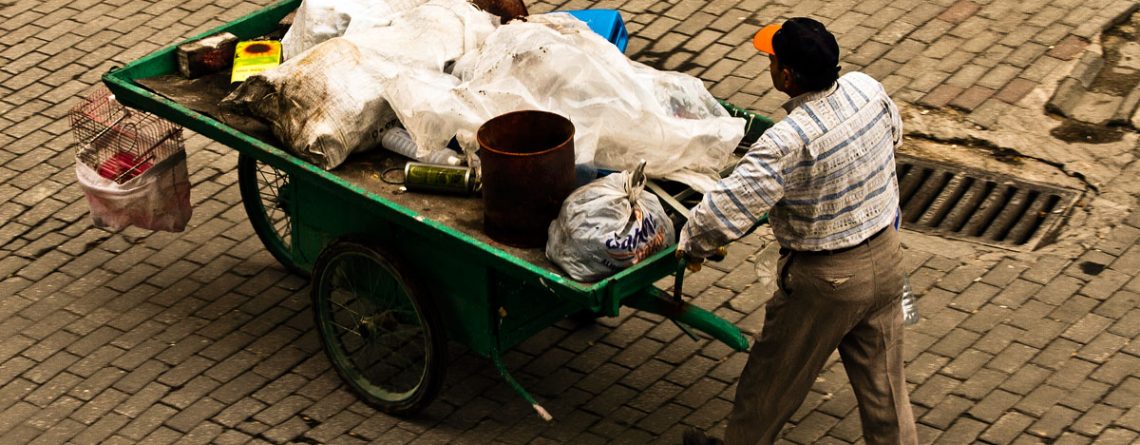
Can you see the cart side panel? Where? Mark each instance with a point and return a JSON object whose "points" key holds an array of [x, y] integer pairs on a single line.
{"points": [[458, 283], [528, 307], [634, 280], [483, 302]]}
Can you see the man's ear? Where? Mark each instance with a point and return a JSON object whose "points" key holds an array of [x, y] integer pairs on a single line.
{"points": [[789, 77]]}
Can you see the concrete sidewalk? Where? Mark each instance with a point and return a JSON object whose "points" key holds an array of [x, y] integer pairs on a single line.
{"points": [[201, 337]]}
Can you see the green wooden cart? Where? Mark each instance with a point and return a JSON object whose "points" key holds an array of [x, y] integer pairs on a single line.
{"points": [[394, 275]]}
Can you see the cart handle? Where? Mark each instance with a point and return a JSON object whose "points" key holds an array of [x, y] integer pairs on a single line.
{"points": [[656, 301]]}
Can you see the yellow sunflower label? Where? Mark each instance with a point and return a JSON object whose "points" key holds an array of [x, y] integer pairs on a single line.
{"points": [[253, 57]]}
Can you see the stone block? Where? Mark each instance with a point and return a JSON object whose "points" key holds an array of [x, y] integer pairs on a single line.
{"points": [[1128, 109], [1007, 428], [1047, 15], [1026, 380], [964, 430], [1087, 69], [959, 11], [921, 13], [1015, 90], [1069, 48], [931, 393], [967, 364], [1066, 97], [1053, 422], [966, 76], [930, 30], [1053, 34], [999, 76], [972, 98], [1102, 347], [1012, 358]]}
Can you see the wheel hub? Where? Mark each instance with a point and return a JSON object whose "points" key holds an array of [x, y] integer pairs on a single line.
{"points": [[375, 325]]}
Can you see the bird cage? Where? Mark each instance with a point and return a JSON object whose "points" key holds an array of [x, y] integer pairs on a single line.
{"points": [[118, 142], [131, 165]]}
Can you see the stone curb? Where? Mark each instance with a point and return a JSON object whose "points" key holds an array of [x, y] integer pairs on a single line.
{"points": [[1066, 97], [1127, 113], [1076, 84]]}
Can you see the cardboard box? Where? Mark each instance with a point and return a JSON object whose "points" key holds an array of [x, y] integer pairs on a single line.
{"points": [[207, 55], [253, 57]]}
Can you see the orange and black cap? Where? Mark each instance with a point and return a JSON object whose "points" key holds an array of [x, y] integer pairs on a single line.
{"points": [[763, 38], [802, 44]]}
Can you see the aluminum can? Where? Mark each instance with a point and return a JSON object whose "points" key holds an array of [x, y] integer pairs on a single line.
{"points": [[420, 177]]}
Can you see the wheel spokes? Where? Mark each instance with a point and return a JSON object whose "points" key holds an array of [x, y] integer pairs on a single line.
{"points": [[272, 185], [376, 326]]}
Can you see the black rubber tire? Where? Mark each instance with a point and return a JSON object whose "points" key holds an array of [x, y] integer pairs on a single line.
{"points": [[266, 193], [356, 326]]}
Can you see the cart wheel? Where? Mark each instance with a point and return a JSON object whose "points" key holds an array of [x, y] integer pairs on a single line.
{"points": [[265, 193], [382, 334]]}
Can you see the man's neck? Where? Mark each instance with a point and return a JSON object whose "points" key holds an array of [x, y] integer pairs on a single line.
{"points": [[795, 91], [798, 99]]}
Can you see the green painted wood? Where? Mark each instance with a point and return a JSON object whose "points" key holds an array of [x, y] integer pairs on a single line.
{"points": [[754, 124], [656, 301]]}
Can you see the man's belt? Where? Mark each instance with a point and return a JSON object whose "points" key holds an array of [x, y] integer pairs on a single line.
{"points": [[842, 249]]}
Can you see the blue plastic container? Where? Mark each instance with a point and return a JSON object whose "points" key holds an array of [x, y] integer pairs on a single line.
{"points": [[607, 23]]}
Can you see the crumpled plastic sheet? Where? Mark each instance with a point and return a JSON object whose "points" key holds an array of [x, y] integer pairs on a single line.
{"points": [[623, 111]]}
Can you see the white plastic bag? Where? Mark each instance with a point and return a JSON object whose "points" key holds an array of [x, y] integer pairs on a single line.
{"points": [[332, 100], [157, 199], [608, 225], [320, 20]]}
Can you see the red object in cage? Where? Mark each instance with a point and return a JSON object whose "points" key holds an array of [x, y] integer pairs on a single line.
{"points": [[123, 165], [118, 142]]}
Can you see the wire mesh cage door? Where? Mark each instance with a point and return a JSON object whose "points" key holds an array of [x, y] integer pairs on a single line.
{"points": [[120, 143]]}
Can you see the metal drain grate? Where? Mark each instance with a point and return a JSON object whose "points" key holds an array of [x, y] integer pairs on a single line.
{"points": [[974, 205]]}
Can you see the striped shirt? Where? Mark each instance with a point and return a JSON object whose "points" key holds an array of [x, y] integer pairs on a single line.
{"points": [[825, 174]]}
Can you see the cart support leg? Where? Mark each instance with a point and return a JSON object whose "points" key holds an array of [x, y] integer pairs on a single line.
{"points": [[499, 366], [658, 302]]}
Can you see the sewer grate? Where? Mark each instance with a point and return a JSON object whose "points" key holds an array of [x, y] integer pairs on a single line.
{"points": [[962, 203]]}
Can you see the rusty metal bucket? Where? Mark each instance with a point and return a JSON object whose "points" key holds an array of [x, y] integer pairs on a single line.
{"points": [[528, 170]]}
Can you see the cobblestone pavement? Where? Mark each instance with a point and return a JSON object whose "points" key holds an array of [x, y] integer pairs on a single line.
{"points": [[200, 337]]}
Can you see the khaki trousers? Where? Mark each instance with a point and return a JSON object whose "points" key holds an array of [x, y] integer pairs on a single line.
{"points": [[847, 300]]}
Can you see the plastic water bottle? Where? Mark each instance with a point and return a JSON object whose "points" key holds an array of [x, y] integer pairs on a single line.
{"points": [[442, 156], [766, 262], [400, 141], [909, 306]]}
